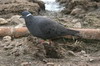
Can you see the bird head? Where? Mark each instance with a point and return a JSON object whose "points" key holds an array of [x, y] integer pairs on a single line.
{"points": [[25, 14]]}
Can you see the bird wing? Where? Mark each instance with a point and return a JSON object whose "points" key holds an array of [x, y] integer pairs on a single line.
{"points": [[51, 29]]}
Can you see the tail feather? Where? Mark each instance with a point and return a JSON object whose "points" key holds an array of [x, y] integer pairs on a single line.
{"points": [[73, 32]]}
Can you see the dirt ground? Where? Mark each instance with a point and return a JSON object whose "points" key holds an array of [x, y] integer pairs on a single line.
{"points": [[28, 51]]}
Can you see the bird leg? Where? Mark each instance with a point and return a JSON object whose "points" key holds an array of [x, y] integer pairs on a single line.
{"points": [[45, 41]]}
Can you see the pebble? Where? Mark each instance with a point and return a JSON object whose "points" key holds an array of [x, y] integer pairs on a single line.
{"points": [[83, 52], [71, 53], [3, 21], [7, 38], [91, 59], [50, 64], [75, 20]]}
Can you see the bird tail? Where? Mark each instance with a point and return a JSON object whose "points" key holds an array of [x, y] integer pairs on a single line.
{"points": [[71, 33]]}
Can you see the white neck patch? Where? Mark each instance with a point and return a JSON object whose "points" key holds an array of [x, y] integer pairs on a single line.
{"points": [[28, 15]]}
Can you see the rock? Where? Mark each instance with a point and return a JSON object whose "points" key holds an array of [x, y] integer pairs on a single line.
{"points": [[50, 64], [16, 20], [71, 53], [91, 59], [83, 52], [40, 3], [3, 21], [6, 41], [75, 20], [61, 1], [6, 38], [77, 11]]}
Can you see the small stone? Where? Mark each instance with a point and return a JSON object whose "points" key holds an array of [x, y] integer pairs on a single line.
{"points": [[83, 52], [3, 21], [91, 59], [75, 20], [25, 64], [44, 60], [50, 64], [40, 3], [81, 57], [7, 38], [71, 53], [85, 23]]}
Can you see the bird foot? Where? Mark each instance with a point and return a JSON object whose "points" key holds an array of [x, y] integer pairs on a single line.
{"points": [[47, 42]]}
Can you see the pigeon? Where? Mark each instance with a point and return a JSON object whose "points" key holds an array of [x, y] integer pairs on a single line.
{"points": [[45, 28]]}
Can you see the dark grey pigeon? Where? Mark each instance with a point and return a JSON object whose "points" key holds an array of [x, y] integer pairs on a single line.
{"points": [[45, 28]]}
